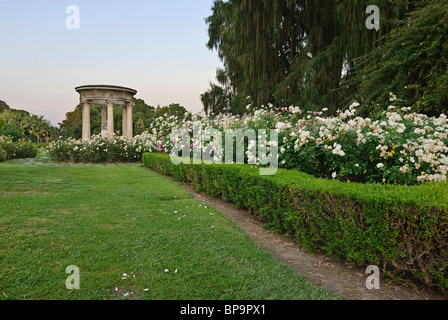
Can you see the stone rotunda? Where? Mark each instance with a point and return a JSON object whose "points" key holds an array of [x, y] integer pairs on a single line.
{"points": [[107, 97]]}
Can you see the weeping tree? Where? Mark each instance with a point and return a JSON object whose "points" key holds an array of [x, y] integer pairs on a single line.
{"points": [[215, 100], [295, 51], [412, 63], [335, 35], [219, 98], [255, 53]]}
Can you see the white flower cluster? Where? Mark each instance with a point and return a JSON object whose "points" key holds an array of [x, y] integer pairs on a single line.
{"points": [[409, 143]]}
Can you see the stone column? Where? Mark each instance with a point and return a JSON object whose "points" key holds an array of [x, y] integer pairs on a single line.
{"points": [[129, 128], [86, 121], [103, 121], [110, 119], [125, 123]]}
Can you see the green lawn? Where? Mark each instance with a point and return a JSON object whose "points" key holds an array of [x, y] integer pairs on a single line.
{"points": [[109, 220]]}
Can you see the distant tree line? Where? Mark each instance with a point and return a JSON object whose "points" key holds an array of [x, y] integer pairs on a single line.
{"points": [[319, 54], [20, 124]]}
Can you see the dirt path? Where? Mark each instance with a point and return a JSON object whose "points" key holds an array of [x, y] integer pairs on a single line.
{"points": [[338, 278]]}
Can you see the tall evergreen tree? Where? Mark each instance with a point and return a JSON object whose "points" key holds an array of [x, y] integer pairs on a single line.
{"points": [[294, 51], [412, 63]]}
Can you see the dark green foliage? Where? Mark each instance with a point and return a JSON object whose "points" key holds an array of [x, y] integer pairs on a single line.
{"points": [[12, 131], [141, 111], [21, 149], [139, 126], [71, 126], [173, 109], [402, 229], [3, 106], [19, 124], [297, 52], [412, 63], [96, 151], [216, 100]]}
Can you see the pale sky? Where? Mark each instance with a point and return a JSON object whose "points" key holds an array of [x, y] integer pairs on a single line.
{"points": [[157, 47]]}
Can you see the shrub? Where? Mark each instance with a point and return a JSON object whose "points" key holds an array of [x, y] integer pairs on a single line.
{"points": [[17, 150], [397, 148], [393, 147], [98, 150], [404, 229], [25, 149], [2, 154], [12, 131]]}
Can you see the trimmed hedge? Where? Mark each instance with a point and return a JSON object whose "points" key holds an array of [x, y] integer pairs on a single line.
{"points": [[403, 229]]}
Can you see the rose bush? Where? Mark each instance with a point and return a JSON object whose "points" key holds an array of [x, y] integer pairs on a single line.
{"points": [[395, 146], [98, 150], [16, 150]]}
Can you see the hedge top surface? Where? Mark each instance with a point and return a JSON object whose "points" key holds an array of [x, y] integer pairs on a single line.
{"points": [[429, 194]]}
